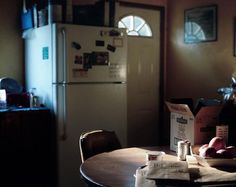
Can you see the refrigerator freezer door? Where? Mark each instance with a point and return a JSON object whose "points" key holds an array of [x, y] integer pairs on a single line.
{"points": [[38, 63], [89, 106], [90, 54]]}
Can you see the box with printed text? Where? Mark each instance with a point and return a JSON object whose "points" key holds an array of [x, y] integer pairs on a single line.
{"points": [[198, 129]]}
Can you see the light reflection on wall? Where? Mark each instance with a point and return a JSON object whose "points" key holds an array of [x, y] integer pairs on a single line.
{"points": [[193, 33]]}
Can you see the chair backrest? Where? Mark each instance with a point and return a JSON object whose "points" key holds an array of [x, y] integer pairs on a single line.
{"points": [[97, 141]]}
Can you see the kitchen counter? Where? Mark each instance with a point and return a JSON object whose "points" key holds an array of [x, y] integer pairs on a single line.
{"points": [[14, 109], [27, 141]]}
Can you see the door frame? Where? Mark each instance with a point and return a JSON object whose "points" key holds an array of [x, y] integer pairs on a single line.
{"points": [[162, 53]]}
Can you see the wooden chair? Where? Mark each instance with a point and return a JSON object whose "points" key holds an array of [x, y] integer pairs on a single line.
{"points": [[97, 141]]}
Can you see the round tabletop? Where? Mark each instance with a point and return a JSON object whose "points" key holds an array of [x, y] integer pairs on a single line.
{"points": [[117, 168]]}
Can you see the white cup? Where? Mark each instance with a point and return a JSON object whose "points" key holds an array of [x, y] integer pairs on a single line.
{"points": [[154, 155]]}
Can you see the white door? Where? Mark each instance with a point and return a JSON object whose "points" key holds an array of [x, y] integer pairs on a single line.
{"points": [[142, 77]]}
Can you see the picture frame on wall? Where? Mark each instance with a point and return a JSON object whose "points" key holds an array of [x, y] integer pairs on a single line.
{"points": [[200, 24]]}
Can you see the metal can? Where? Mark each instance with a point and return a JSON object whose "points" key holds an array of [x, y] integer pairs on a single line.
{"points": [[183, 149], [35, 101]]}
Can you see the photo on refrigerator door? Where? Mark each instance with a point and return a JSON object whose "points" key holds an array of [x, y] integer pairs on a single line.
{"points": [[96, 58], [100, 58], [78, 59], [87, 61]]}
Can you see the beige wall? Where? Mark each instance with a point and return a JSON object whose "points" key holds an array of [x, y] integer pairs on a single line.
{"points": [[197, 70], [11, 44]]}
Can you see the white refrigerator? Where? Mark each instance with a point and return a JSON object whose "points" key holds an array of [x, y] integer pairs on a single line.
{"points": [[80, 73]]}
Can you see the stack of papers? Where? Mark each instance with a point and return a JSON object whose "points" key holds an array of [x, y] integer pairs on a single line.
{"points": [[177, 170]]}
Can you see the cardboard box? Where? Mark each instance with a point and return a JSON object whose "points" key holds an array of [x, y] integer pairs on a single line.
{"points": [[198, 129]]}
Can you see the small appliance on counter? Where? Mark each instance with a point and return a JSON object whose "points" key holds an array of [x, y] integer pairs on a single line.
{"points": [[10, 85], [14, 90]]}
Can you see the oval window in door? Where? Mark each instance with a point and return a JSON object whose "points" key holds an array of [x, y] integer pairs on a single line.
{"points": [[135, 25]]}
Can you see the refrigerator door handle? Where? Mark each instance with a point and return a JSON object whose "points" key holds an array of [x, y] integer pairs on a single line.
{"points": [[64, 125], [64, 44]]}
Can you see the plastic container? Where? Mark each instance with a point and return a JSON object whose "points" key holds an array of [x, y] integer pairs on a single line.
{"points": [[3, 99]]}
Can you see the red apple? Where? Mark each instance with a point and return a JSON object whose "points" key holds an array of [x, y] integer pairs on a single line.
{"points": [[223, 153], [232, 150], [207, 152], [218, 143]]}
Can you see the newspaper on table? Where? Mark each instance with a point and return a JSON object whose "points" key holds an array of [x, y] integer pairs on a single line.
{"points": [[146, 176]]}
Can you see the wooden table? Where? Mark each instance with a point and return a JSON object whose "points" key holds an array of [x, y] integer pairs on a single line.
{"points": [[117, 168]]}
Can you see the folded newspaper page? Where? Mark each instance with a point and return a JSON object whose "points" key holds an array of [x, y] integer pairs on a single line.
{"points": [[168, 170], [146, 176]]}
